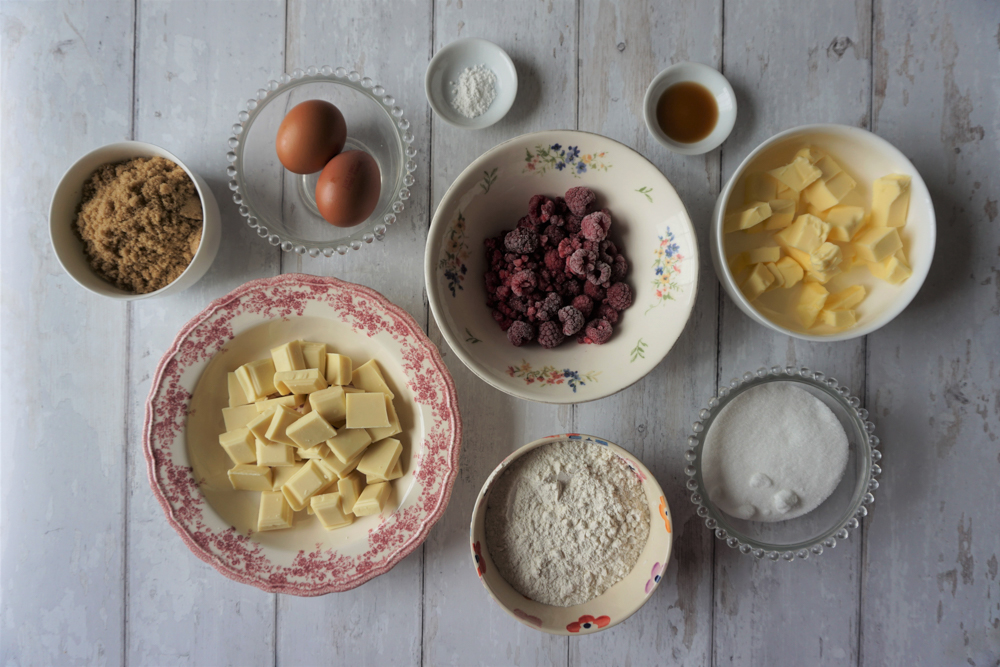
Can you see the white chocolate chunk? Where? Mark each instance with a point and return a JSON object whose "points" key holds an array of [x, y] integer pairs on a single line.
{"points": [[275, 455], [310, 430], [372, 500], [380, 433], [338, 369], [330, 403], [246, 477], [259, 424], [350, 488], [291, 401], [288, 357], [239, 444], [366, 410], [281, 475], [282, 419], [299, 382], [379, 458], [237, 396], [330, 512], [315, 356], [257, 379], [304, 484], [349, 443], [238, 417], [275, 512], [368, 377]]}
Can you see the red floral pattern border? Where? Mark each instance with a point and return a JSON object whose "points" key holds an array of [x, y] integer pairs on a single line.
{"points": [[319, 571]]}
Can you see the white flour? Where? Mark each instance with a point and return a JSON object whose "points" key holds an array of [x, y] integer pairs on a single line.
{"points": [[566, 522], [474, 92], [774, 453]]}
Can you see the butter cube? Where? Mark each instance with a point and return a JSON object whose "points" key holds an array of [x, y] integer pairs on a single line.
{"points": [[338, 369], [396, 473], [368, 377], [275, 454], [366, 410], [810, 153], [277, 429], [334, 467], [826, 258], [838, 319], [315, 356], [738, 262], [782, 214], [299, 382], [822, 277], [380, 433], [811, 302], [764, 254], [330, 403], [746, 218], [350, 488], [237, 396], [798, 174], [238, 417], [281, 475], [257, 378], [824, 193], [259, 425], [316, 452], [288, 357], [372, 500], [349, 443], [890, 200], [310, 430], [379, 458], [874, 243], [806, 234], [845, 222], [291, 401], [786, 193], [893, 269], [846, 299], [239, 444], [245, 477], [803, 259], [330, 512], [791, 271], [757, 282], [829, 167], [779, 277], [759, 186], [304, 484], [275, 512]]}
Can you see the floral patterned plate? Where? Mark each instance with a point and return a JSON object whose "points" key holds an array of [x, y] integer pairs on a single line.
{"points": [[611, 607], [187, 468], [650, 225]]}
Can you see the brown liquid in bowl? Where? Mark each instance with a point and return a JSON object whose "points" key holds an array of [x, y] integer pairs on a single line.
{"points": [[687, 112]]}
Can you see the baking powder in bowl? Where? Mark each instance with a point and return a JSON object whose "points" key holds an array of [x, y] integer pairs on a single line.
{"points": [[565, 522], [475, 91], [775, 453]]}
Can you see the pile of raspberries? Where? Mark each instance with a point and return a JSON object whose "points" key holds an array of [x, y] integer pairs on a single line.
{"points": [[557, 274]]}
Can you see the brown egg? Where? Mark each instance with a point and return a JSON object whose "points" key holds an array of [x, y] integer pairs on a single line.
{"points": [[348, 189], [310, 135]]}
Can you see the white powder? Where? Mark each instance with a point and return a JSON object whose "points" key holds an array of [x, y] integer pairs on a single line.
{"points": [[566, 522], [776, 452], [475, 91]]}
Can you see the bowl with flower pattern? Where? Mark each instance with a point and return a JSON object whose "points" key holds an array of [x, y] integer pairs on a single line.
{"points": [[188, 469], [650, 227], [612, 606]]}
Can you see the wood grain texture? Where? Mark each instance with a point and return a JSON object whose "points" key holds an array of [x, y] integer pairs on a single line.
{"points": [[931, 585], [63, 455], [462, 625], [623, 45], [180, 610], [786, 74]]}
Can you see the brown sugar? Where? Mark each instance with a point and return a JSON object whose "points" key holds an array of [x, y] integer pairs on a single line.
{"points": [[140, 222]]}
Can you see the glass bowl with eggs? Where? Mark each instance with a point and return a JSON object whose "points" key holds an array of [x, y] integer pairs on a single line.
{"points": [[782, 463], [321, 161]]}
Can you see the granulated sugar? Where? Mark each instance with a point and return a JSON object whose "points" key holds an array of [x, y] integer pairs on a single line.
{"points": [[565, 522], [474, 92], [775, 453]]}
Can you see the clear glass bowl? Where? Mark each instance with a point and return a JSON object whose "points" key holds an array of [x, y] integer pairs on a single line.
{"points": [[810, 533], [281, 205]]}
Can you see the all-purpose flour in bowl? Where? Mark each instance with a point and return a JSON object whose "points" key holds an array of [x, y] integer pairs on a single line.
{"points": [[565, 522]]}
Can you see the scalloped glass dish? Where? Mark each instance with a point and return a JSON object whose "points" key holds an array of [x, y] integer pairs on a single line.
{"points": [[810, 533], [281, 205]]}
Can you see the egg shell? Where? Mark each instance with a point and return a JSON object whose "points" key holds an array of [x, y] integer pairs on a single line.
{"points": [[310, 135], [348, 189]]}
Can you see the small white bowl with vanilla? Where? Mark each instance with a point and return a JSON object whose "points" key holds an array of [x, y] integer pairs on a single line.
{"points": [[824, 233]]}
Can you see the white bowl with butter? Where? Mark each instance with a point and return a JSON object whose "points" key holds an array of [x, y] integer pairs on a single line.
{"points": [[866, 157]]}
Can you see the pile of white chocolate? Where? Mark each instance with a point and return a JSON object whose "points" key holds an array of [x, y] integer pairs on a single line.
{"points": [[310, 432]]}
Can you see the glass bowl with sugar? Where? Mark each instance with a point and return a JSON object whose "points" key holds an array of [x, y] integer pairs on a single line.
{"points": [[782, 463]]}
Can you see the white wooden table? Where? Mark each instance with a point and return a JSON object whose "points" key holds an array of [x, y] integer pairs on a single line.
{"points": [[92, 573]]}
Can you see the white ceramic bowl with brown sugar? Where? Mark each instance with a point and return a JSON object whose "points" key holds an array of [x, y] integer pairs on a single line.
{"points": [[69, 248]]}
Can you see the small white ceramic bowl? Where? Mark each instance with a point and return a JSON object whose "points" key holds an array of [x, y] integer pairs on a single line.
{"points": [[725, 98], [69, 249], [447, 66], [611, 607], [866, 157]]}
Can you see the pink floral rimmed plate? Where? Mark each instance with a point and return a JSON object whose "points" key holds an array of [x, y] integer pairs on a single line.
{"points": [[187, 468]]}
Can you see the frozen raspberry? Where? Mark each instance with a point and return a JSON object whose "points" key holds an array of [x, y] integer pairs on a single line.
{"points": [[606, 312], [520, 333], [547, 210], [595, 292], [619, 269], [609, 248], [579, 200], [595, 226], [570, 288], [600, 275], [572, 225], [584, 304], [568, 246], [619, 296], [561, 207], [518, 304], [503, 292], [522, 240], [597, 332], [581, 262], [572, 320], [553, 235], [550, 335], [501, 319], [535, 207], [527, 222], [523, 282], [547, 308], [553, 262]]}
